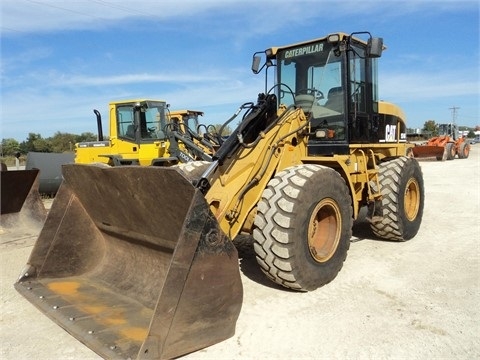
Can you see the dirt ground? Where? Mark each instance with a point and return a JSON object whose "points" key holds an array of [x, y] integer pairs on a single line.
{"points": [[417, 300]]}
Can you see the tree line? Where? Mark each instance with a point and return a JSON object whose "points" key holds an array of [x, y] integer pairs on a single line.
{"points": [[58, 143]]}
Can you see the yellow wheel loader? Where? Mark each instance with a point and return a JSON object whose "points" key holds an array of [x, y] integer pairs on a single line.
{"points": [[142, 133], [186, 141], [138, 262], [203, 136]]}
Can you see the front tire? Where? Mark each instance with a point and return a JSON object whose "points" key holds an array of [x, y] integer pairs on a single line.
{"points": [[403, 193], [303, 227], [464, 150], [450, 150]]}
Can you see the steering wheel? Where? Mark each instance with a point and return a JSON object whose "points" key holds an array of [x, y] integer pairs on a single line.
{"points": [[316, 93]]}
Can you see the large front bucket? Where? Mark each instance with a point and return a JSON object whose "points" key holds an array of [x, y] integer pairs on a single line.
{"points": [[132, 263], [21, 206], [426, 151]]}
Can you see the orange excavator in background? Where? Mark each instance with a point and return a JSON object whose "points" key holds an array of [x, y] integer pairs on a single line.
{"points": [[446, 145]]}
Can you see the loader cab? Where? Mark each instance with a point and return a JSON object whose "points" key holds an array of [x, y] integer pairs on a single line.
{"points": [[448, 130], [187, 118], [334, 81], [191, 119], [141, 121]]}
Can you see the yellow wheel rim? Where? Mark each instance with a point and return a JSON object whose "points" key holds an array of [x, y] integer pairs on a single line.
{"points": [[412, 199]]}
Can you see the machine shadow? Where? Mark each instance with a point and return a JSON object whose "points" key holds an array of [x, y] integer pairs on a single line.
{"points": [[248, 264], [361, 228]]}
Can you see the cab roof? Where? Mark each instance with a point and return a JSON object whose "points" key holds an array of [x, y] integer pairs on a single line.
{"points": [[272, 52]]}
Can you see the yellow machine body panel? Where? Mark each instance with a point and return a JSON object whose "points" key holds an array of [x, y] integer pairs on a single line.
{"points": [[235, 192]]}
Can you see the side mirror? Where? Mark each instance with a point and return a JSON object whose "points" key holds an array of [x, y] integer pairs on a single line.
{"points": [[375, 47], [256, 64]]}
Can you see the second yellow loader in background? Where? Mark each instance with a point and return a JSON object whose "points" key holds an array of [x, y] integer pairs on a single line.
{"points": [[145, 132]]}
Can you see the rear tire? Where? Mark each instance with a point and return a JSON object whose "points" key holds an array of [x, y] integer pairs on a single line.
{"points": [[303, 227], [403, 193]]}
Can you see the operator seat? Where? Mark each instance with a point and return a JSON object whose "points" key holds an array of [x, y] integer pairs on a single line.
{"points": [[335, 99], [130, 131], [305, 102]]}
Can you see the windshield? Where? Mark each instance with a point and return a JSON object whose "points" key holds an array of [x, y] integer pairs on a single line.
{"points": [[445, 129], [311, 78], [311, 70], [191, 121], [150, 124], [154, 121]]}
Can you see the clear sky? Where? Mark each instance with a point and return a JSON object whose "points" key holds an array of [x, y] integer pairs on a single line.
{"points": [[61, 59]]}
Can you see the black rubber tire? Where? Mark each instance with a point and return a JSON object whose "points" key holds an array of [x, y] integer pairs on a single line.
{"points": [[464, 151], [193, 170], [403, 193], [282, 224], [450, 151]]}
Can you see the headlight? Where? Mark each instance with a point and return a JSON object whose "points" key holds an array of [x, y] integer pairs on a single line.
{"points": [[320, 134], [333, 39]]}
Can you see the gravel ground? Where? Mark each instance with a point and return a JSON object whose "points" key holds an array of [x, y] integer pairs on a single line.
{"points": [[418, 299]]}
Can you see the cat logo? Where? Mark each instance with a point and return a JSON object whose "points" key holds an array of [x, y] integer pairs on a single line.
{"points": [[390, 133]]}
